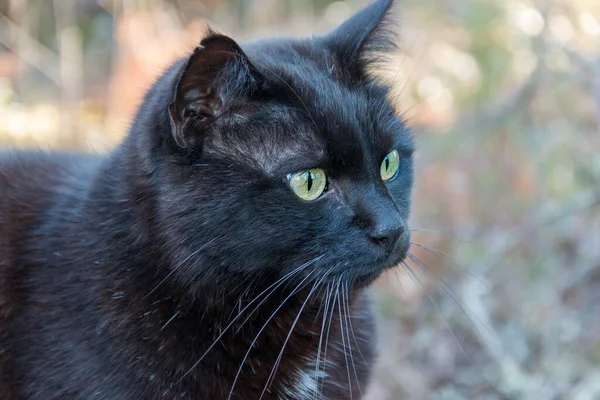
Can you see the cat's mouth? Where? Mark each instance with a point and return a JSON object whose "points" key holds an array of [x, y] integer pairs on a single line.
{"points": [[365, 275]]}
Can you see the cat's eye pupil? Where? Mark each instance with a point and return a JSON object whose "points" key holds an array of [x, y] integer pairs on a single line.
{"points": [[387, 163], [309, 180]]}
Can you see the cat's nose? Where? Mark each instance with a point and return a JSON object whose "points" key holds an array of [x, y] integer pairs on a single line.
{"points": [[380, 220], [387, 231]]}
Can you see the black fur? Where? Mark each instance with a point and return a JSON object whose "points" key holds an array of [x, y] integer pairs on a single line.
{"points": [[118, 274]]}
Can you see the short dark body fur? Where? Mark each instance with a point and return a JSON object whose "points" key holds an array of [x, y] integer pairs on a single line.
{"points": [[118, 274]]}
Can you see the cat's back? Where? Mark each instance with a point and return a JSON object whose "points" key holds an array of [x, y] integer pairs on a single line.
{"points": [[30, 183]]}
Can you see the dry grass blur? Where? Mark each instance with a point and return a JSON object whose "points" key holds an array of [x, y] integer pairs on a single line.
{"points": [[504, 99]]}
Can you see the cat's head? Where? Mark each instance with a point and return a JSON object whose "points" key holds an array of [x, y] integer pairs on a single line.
{"points": [[283, 154]]}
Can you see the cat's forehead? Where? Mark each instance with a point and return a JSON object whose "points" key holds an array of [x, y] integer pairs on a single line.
{"points": [[267, 137], [319, 86], [354, 121], [317, 117]]}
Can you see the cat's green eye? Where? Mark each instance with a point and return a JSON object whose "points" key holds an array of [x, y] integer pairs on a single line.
{"points": [[309, 184], [389, 165]]}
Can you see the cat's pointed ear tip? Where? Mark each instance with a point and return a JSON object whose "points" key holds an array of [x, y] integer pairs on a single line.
{"points": [[212, 36]]}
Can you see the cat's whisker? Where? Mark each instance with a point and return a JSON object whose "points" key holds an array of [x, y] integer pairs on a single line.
{"points": [[406, 53], [399, 281], [447, 231], [346, 320], [397, 98], [323, 288], [169, 321], [299, 286], [405, 113], [272, 287], [193, 254], [269, 294], [452, 260], [448, 291], [249, 287], [348, 308], [285, 342], [435, 230], [319, 349], [344, 340], [331, 315], [423, 289]]}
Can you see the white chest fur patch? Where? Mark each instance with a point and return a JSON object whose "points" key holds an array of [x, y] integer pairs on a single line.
{"points": [[304, 383]]}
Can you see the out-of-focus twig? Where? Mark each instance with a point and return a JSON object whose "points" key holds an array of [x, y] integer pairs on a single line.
{"points": [[30, 50], [71, 66], [497, 113], [592, 69], [517, 235]]}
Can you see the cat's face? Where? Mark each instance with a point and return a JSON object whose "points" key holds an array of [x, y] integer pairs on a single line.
{"points": [[288, 155]]}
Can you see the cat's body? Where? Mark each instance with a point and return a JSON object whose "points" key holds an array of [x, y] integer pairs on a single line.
{"points": [[182, 265], [100, 336]]}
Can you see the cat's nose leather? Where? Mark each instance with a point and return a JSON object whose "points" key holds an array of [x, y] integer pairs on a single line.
{"points": [[387, 231], [387, 235]]}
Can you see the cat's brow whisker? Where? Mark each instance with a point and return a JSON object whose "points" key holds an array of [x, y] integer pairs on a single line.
{"points": [[406, 53], [397, 98], [405, 113], [300, 285]]}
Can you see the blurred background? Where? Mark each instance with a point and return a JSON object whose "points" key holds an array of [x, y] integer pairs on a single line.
{"points": [[502, 299]]}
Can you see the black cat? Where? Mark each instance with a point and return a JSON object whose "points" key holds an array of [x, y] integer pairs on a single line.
{"points": [[223, 250]]}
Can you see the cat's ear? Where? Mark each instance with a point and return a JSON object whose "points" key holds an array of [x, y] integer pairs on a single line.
{"points": [[363, 38], [217, 74]]}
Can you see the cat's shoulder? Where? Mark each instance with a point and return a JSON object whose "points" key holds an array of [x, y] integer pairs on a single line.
{"points": [[29, 169]]}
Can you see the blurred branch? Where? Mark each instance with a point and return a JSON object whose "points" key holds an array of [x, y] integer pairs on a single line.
{"points": [[518, 235], [592, 69], [71, 64], [27, 48], [493, 115]]}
